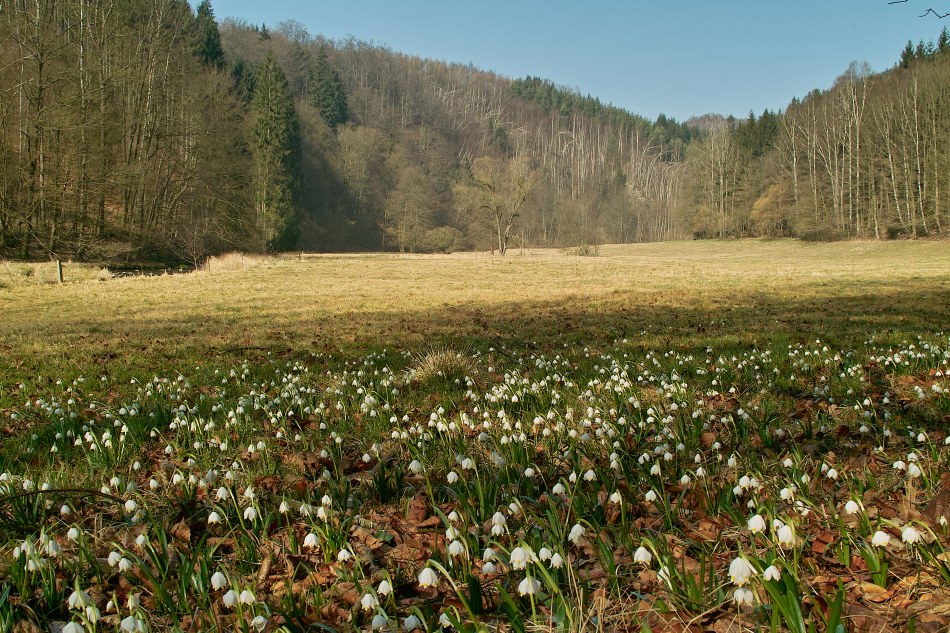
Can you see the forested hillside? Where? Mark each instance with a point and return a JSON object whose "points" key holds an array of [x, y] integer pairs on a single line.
{"points": [[145, 131]]}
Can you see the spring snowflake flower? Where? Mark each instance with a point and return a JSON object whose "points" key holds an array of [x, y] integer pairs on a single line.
{"points": [[344, 555], [913, 470], [73, 627], [259, 623], [615, 497], [379, 622], [456, 548], [880, 539], [910, 535], [743, 595], [785, 535], [519, 558], [557, 561], [428, 578], [590, 475], [851, 507], [642, 555], [218, 581], [230, 599], [284, 507], [411, 623], [488, 567], [741, 571], [577, 532], [771, 573], [558, 489], [756, 524], [368, 602], [311, 540], [79, 600], [415, 466], [385, 588], [214, 517], [250, 513], [452, 477], [529, 586], [650, 496]]}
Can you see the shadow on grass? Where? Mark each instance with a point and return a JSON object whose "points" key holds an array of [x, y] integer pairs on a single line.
{"points": [[143, 348]]}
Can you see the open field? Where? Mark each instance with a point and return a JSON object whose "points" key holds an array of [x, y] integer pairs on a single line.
{"points": [[563, 442]]}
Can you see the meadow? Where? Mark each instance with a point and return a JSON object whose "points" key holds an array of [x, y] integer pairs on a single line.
{"points": [[684, 436]]}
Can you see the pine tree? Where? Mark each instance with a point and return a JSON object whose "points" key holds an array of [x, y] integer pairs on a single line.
{"points": [[907, 55], [277, 157], [943, 41], [327, 92], [208, 39]]}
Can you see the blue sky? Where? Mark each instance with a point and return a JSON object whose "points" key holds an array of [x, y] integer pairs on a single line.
{"points": [[681, 58]]}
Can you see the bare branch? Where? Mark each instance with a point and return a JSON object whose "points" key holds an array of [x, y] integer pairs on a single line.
{"points": [[939, 15]]}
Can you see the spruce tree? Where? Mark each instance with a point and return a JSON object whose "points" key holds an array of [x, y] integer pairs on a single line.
{"points": [[208, 39], [327, 92], [277, 157]]}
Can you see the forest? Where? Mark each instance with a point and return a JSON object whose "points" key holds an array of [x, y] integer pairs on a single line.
{"points": [[148, 131]]}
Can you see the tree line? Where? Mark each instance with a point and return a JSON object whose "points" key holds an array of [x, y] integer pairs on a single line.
{"points": [[138, 130]]}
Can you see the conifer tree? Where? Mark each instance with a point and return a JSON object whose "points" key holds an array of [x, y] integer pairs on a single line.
{"points": [[208, 44], [277, 157], [327, 92]]}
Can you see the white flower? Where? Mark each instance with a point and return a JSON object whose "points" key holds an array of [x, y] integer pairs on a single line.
{"points": [[650, 496], [214, 517], [910, 535], [590, 475], [743, 596], [558, 488], [832, 474], [379, 622], [131, 506], [411, 623], [642, 555], [899, 465], [385, 588], [913, 471], [218, 580], [488, 567], [456, 548], [415, 466], [529, 586], [114, 558], [79, 600], [519, 558], [452, 477], [73, 627], [311, 540], [259, 623], [428, 578], [73, 534], [250, 513], [230, 599], [284, 507], [368, 602], [741, 571], [785, 535], [344, 555], [248, 597], [615, 497], [529, 472], [576, 533], [557, 560], [756, 524], [124, 564], [880, 539], [131, 624], [771, 573]]}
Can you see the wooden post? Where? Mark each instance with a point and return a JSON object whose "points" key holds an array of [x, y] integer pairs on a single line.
{"points": [[59, 271]]}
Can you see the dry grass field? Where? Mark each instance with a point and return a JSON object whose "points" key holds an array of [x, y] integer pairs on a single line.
{"points": [[678, 292], [686, 437]]}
